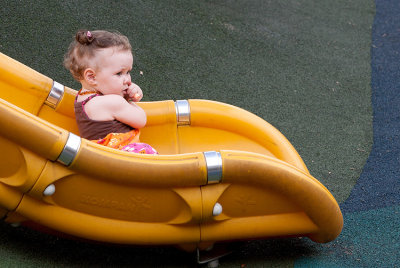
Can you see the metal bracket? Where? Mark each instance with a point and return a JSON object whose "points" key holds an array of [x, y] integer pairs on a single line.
{"points": [[182, 112], [212, 255], [214, 167], [55, 95], [70, 150]]}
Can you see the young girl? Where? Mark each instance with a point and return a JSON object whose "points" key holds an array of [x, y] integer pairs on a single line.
{"points": [[105, 107]]}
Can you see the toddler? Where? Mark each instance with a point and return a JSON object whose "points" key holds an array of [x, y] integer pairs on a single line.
{"points": [[105, 108]]}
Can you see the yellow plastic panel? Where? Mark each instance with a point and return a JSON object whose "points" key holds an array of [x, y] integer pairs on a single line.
{"points": [[107, 230], [13, 217], [160, 130], [290, 224], [142, 170], [29, 131], [66, 104], [289, 185], [9, 197], [236, 120], [11, 159], [251, 211], [241, 200], [64, 115], [19, 168], [50, 115], [22, 85], [201, 139], [123, 202]]}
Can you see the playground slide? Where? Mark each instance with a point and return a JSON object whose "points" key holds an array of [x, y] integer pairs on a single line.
{"points": [[223, 174]]}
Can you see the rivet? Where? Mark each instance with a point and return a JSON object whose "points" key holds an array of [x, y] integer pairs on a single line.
{"points": [[50, 190], [217, 210]]}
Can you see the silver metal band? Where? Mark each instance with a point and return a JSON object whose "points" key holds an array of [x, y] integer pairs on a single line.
{"points": [[182, 112], [70, 150], [55, 95], [214, 166]]}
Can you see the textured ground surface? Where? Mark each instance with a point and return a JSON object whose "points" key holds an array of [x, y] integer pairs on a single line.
{"points": [[325, 73]]}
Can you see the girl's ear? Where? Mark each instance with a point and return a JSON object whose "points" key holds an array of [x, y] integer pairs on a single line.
{"points": [[89, 75]]}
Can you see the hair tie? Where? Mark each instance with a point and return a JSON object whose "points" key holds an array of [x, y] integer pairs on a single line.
{"points": [[89, 34]]}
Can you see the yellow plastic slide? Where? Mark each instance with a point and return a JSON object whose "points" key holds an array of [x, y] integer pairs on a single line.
{"points": [[223, 174]]}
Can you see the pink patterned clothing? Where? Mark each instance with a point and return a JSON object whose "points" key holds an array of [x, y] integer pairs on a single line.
{"points": [[139, 148]]}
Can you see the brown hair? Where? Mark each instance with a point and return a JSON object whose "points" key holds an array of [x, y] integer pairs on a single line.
{"points": [[85, 45]]}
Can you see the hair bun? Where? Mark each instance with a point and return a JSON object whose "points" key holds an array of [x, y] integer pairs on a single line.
{"points": [[84, 37]]}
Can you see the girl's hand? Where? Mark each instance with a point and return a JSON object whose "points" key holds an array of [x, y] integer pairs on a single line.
{"points": [[134, 93]]}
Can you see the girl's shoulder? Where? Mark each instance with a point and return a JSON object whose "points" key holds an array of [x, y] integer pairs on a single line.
{"points": [[104, 99], [98, 107], [109, 100], [104, 105], [85, 98]]}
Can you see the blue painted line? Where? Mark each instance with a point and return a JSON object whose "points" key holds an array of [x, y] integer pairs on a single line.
{"points": [[379, 183]]}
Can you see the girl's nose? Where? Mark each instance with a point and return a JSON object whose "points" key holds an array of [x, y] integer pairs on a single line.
{"points": [[127, 79]]}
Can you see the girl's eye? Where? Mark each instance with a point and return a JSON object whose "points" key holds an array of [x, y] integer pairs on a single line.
{"points": [[122, 73]]}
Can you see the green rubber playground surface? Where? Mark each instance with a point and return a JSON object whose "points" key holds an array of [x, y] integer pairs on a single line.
{"points": [[304, 66]]}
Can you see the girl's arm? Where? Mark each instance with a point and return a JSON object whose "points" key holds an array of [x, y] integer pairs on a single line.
{"points": [[110, 107], [129, 113]]}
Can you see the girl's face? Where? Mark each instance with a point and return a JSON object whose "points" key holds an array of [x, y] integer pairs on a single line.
{"points": [[112, 70]]}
